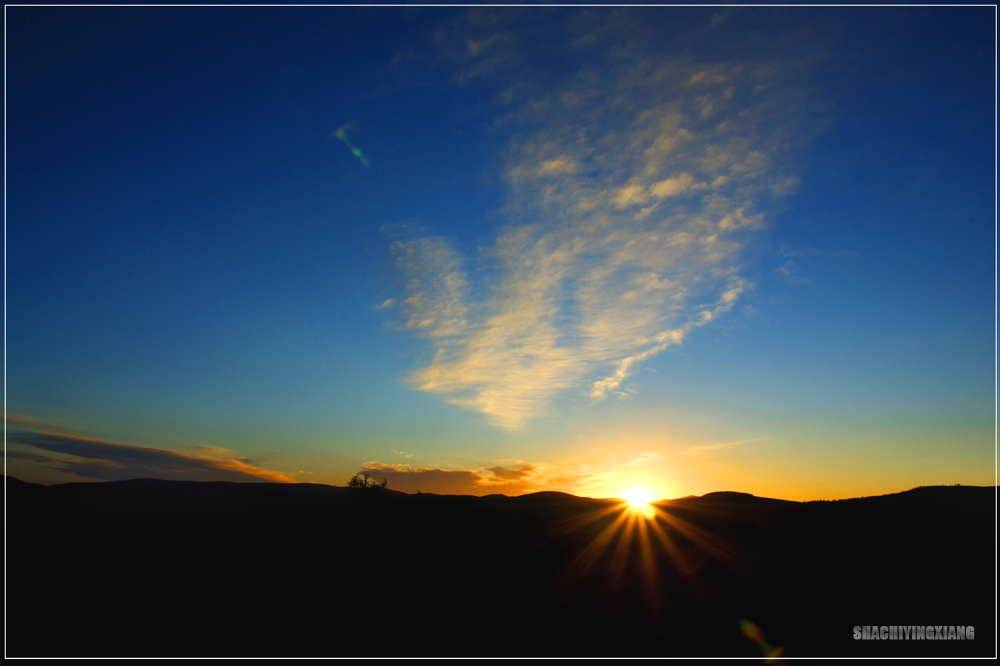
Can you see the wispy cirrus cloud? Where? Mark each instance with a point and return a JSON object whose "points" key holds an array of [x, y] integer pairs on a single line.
{"points": [[695, 450], [634, 189], [89, 458]]}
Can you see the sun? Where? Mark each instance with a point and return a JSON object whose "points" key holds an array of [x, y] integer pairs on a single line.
{"points": [[639, 499], [638, 496]]}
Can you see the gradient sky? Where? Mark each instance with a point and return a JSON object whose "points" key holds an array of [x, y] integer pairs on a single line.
{"points": [[502, 250]]}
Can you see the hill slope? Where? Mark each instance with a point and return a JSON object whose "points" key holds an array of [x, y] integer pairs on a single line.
{"points": [[149, 567]]}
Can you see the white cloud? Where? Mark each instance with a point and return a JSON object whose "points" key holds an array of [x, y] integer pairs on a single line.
{"points": [[436, 287], [666, 339], [630, 208]]}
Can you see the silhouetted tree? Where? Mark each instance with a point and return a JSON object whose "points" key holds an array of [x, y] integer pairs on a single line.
{"points": [[363, 481]]}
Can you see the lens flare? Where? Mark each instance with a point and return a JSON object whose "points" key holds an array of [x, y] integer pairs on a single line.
{"points": [[341, 134], [753, 633]]}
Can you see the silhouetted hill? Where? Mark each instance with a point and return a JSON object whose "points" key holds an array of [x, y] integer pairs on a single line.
{"points": [[150, 567]]}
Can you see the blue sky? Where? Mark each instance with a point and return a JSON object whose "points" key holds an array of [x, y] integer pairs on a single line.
{"points": [[574, 249]]}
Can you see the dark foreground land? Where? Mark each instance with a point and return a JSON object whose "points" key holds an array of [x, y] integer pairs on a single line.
{"points": [[162, 568]]}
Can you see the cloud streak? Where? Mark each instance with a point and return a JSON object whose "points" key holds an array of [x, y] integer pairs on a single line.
{"points": [[112, 461], [630, 201], [694, 450]]}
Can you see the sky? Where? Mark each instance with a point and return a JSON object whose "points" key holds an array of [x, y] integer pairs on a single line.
{"points": [[478, 250]]}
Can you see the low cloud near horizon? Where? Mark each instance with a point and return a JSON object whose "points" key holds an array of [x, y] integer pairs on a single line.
{"points": [[92, 459], [514, 477], [514, 480]]}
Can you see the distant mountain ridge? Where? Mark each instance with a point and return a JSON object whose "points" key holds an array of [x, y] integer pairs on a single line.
{"points": [[312, 488], [171, 568]]}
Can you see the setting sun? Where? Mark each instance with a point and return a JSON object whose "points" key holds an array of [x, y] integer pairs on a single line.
{"points": [[639, 499], [638, 496]]}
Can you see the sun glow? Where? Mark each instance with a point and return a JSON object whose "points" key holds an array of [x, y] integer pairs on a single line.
{"points": [[634, 534], [639, 499]]}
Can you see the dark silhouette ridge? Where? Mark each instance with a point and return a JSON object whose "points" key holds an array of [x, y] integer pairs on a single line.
{"points": [[168, 568]]}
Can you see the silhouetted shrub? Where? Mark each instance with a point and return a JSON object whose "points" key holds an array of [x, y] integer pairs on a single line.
{"points": [[363, 481]]}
